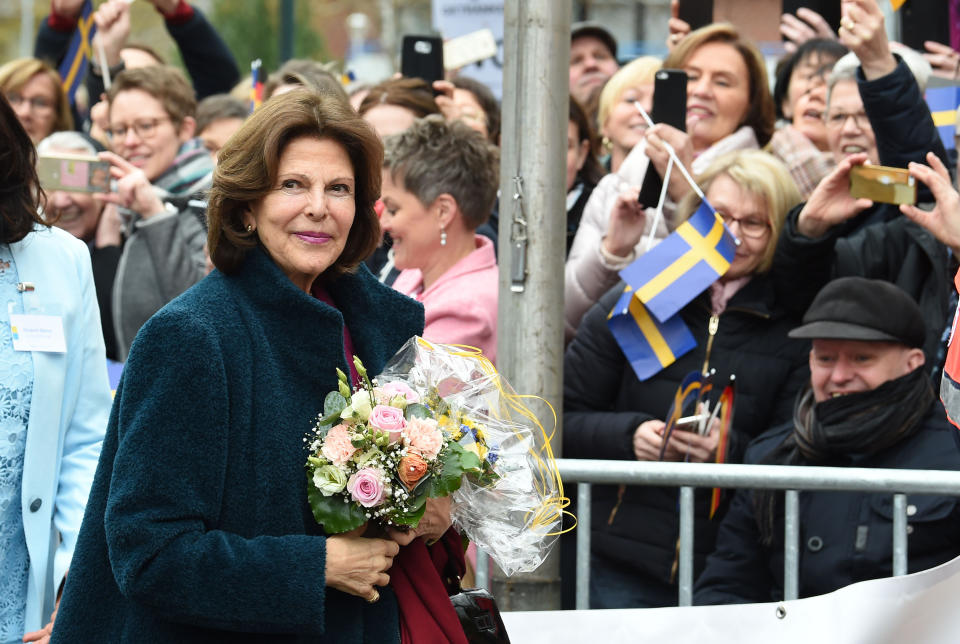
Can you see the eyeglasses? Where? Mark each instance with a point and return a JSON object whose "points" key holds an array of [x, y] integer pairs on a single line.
{"points": [[144, 129], [749, 226], [839, 119], [37, 103]]}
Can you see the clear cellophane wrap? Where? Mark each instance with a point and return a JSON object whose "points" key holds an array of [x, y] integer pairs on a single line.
{"points": [[515, 518]]}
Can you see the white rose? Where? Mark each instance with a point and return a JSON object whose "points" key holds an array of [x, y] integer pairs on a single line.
{"points": [[329, 479]]}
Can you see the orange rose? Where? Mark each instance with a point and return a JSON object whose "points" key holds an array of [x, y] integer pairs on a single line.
{"points": [[412, 468]]}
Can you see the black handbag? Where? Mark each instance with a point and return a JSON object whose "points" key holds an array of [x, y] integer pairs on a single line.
{"points": [[477, 610]]}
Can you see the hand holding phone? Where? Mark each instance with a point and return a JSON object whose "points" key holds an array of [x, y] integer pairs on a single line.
{"points": [[670, 107], [883, 184]]}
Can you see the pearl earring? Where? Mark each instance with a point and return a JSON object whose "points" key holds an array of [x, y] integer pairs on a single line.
{"points": [[443, 237]]}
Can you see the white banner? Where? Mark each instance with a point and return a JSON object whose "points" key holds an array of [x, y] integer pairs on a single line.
{"points": [[454, 18], [913, 609]]}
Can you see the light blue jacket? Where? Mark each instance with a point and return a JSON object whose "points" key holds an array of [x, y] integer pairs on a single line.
{"points": [[69, 408]]}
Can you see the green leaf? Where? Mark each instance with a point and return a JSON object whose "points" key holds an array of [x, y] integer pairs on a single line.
{"points": [[456, 462], [416, 410], [331, 512], [334, 403]]}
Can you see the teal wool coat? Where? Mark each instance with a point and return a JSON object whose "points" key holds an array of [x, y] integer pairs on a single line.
{"points": [[197, 528]]}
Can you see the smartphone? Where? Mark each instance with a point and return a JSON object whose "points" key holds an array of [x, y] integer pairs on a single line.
{"points": [[468, 49], [73, 173], [696, 13], [422, 57], [883, 184], [670, 107]]}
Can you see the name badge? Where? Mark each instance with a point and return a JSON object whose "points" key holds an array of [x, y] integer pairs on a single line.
{"points": [[37, 332]]}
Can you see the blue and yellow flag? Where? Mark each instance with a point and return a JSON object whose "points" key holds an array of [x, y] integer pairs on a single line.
{"points": [[680, 267], [943, 102], [648, 345], [74, 66]]}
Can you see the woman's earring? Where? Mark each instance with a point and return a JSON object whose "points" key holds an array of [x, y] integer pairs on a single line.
{"points": [[249, 228], [443, 237], [607, 144]]}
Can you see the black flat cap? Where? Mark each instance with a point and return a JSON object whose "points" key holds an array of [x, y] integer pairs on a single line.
{"points": [[856, 308], [598, 31]]}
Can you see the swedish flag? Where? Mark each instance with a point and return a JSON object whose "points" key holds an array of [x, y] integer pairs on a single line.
{"points": [[648, 345], [74, 65], [943, 102], [680, 267]]}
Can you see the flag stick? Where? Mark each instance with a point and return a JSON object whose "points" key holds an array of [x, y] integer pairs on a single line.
{"points": [[672, 152]]}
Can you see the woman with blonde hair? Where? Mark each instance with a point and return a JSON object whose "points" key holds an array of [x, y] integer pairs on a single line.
{"points": [[34, 91], [740, 324], [729, 107], [620, 124]]}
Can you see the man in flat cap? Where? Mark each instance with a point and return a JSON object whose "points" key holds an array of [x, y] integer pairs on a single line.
{"points": [[870, 403], [593, 60]]}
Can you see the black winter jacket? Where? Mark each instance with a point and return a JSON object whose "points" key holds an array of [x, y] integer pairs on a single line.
{"points": [[604, 403], [845, 537]]}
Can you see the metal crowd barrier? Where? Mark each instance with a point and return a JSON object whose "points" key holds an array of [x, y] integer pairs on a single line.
{"points": [[792, 479]]}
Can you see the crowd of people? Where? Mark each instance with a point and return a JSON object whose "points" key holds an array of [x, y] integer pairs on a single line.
{"points": [[240, 255]]}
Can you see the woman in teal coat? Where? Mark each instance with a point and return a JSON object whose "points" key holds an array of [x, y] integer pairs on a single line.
{"points": [[198, 528]]}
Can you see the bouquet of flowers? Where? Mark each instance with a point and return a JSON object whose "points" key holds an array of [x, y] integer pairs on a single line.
{"points": [[438, 421], [379, 453]]}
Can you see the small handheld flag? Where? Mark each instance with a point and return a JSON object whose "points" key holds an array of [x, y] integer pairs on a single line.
{"points": [[692, 389], [669, 275], [256, 85], [943, 102], [725, 402], [648, 345], [73, 69]]}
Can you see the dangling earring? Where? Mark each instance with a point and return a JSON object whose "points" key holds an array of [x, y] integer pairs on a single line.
{"points": [[249, 228], [443, 237], [607, 144]]}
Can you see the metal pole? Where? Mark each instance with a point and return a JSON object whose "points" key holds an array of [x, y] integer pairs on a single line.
{"points": [[791, 545], [899, 534], [532, 235], [286, 30], [482, 575], [685, 574], [583, 545]]}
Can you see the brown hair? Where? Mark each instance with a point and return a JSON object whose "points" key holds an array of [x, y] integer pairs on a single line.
{"points": [[166, 84], [18, 177], [413, 94], [592, 171], [760, 110], [248, 165], [15, 74], [309, 73]]}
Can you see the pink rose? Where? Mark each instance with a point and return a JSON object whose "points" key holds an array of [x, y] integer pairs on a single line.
{"points": [[400, 388], [423, 436], [366, 487], [337, 447], [388, 419]]}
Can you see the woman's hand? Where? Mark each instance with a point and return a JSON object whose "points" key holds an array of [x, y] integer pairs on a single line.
{"points": [[944, 220], [627, 223], [356, 565], [109, 228], [113, 28], [862, 31], [433, 524], [944, 59], [830, 203], [807, 24], [693, 447], [648, 440], [678, 28], [659, 156], [134, 190]]}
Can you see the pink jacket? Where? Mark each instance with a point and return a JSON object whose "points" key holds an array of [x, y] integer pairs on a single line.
{"points": [[461, 306]]}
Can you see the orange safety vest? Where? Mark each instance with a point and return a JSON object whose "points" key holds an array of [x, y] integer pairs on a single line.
{"points": [[950, 382]]}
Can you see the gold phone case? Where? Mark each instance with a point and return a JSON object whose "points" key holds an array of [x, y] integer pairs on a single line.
{"points": [[882, 184]]}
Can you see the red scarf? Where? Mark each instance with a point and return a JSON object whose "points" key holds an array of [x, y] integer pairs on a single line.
{"points": [[417, 578]]}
